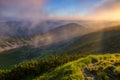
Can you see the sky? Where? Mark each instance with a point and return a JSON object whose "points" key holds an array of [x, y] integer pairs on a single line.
{"points": [[60, 9]]}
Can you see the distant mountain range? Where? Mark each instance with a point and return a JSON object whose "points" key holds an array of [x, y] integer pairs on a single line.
{"points": [[67, 38], [16, 34], [106, 40], [63, 33], [27, 28], [39, 45]]}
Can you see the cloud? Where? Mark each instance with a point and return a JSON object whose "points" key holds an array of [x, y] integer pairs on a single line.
{"points": [[106, 10], [24, 9]]}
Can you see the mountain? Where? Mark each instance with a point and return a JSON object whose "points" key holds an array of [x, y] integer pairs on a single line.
{"points": [[53, 36], [100, 67], [15, 49], [69, 38], [63, 33], [10, 42], [14, 28], [27, 28], [14, 34], [106, 40], [48, 56]]}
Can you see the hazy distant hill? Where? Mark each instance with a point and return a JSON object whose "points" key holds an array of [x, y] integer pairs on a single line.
{"points": [[27, 28], [14, 34], [14, 28], [103, 41], [9, 42], [63, 33]]}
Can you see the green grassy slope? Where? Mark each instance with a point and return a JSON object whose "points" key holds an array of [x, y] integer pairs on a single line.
{"points": [[11, 57], [100, 67], [14, 56], [33, 68], [104, 41], [67, 67]]}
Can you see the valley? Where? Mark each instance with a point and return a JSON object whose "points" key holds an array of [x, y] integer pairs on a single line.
{"points": [[71, 41], [59, 39]]}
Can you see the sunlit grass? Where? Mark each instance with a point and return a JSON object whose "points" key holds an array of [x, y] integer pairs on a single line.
{"points": [[75, 70]]}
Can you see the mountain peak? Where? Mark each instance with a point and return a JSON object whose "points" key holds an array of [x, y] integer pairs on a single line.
{"points": [[72, 24]]}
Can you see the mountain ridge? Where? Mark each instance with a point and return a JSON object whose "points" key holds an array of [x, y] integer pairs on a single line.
{"points": [[97, 42]]}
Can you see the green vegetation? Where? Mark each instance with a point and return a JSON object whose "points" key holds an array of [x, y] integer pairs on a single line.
{"points": [[33, 68], [11, 57], [77, 67], [100, 67]]}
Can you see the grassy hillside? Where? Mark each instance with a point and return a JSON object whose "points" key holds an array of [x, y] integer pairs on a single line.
{"points": [[33, 68], [12, 57], [101, 67], [104, 41], [67, 67]]}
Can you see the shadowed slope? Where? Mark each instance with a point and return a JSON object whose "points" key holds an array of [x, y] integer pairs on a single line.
{"points": [[104, 41]]}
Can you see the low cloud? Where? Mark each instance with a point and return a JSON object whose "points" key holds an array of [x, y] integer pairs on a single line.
{"points": [[24, 9]]}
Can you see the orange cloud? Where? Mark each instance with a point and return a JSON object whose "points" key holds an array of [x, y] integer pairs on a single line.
{"points": [[108, 10]]}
